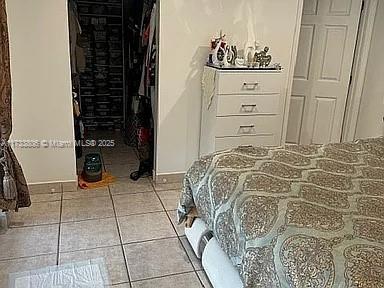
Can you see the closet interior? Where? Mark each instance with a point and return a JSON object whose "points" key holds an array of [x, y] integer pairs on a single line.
{"points": [[113, 65]]}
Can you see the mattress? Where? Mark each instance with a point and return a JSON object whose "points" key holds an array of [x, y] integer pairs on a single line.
{"points": [[295, 216]]}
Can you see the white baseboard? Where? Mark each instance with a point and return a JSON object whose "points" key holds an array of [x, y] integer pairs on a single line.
{"points": [[53, 187], [169, 178]]}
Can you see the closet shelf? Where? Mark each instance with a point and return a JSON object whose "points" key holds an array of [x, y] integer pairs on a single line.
{"points": [[102, 85], [99, 15], [104, 95], [102, 117], [110, 41], [106, 65], [99, 3]]}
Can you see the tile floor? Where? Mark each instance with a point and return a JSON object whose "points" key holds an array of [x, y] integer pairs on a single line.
{"points": [[130, 224]]}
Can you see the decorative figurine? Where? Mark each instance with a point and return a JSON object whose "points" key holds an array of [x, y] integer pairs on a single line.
{"points": [[262, 58], [255, 63], [277, 66], [234, 55], [230, 56], [248, 55], [257, 58], [225, 55], [239, 62], [218, 46], [218, 53]]}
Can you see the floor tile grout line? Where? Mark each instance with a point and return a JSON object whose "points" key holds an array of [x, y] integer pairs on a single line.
{"points": [[101, 218], [163, 276], [49, 201], [41, 202], [166, 190], [111, 246], [201, 281], [59, 237], [85, 198], [174, 225], [142, 213], [43, 192], [84, 220], [119, 283], [86, 249], [102, 161], [90, 249], [120, 238], [34, 225], [29, 256], [149, 240], [178, 237], [91, 219], [130, 193]]}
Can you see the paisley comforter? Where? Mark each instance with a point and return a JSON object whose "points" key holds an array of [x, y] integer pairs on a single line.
{"points": [[295, 216]]}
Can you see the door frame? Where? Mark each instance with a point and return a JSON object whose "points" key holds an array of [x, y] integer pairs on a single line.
{"points": [[157, 72], [291, 69], [359, 69], [358, 72]]}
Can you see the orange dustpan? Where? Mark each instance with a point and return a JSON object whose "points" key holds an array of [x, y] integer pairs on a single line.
{"points": [[105, 181]]}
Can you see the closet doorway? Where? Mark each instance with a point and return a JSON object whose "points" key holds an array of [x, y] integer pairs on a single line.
{"points": [[328, 39], [113, 47]]}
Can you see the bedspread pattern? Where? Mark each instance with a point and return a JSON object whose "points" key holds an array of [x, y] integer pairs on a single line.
{"points": [[295, 216]]}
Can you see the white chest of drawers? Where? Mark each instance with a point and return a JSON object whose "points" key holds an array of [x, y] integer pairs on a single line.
{"points": [[246, 108]]}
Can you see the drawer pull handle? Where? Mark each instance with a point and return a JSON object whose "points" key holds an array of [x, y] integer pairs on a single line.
{"points": [[250, 86], [246, 129], [248, 108], [247, 126]]}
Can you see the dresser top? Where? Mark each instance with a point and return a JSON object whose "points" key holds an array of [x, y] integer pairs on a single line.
{"points": [[245, 69]]}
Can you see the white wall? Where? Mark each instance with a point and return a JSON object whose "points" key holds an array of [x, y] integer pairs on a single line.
{"points": [[370, 121], [40, 67], [186, 27]]}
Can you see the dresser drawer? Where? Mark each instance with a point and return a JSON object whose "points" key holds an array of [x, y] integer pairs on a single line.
{"points": [[249, 83], [248, 104], [233, 142], [246, 125]]}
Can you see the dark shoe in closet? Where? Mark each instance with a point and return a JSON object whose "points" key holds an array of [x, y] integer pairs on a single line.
{"points": [[145, 168]]}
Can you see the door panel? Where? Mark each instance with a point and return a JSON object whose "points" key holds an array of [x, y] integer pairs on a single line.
{"points": [[333, 51], [340, 7], [323, 68], [305, 48], [324, 114], [295, 118], [310, 7]]}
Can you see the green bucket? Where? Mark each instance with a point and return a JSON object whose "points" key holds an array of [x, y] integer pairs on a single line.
{"points": [[93, 168]]}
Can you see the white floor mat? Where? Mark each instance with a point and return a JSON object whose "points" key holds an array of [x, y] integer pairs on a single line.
{"points": [[87, 274]]}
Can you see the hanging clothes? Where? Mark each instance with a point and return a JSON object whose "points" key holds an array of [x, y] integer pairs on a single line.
{"points": [[14, 191], [146, 99], [78, 61], [148, 37], [79, 126]]}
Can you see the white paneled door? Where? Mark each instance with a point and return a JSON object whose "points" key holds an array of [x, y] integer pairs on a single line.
{"points": [[323, 68]]}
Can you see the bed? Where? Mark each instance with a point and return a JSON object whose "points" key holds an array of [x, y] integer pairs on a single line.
{"points": [[294, 216]]}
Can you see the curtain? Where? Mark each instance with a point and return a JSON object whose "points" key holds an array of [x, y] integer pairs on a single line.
{"points": [[14, 192]]}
